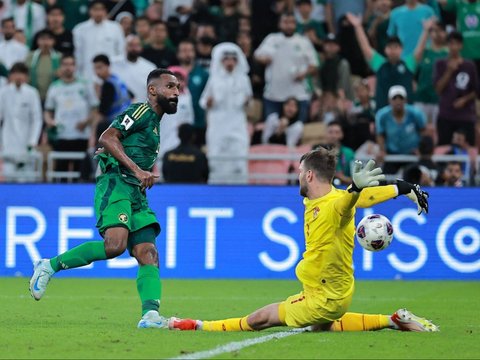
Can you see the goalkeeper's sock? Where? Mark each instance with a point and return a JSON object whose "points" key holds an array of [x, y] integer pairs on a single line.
{"points": [[80, 255], [235, 324], [361, 322], [149, 287]]}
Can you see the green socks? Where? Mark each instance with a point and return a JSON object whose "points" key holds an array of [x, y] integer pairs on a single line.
{"points": [[149, 287], [148, 279], [79, 256]]}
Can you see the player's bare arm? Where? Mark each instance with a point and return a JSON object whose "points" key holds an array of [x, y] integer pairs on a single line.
{"points": [[110, 140]]}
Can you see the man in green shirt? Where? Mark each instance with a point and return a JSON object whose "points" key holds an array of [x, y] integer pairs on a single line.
{"points": [[468, 24], [392, 69], [124, 218], [426, 98]]}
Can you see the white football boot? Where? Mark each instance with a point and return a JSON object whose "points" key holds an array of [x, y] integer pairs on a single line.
{"points": [[407, 321], [42, 273], [152, 319]]}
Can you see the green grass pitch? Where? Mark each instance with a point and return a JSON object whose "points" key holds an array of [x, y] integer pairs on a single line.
{"points": [[82, 318]]}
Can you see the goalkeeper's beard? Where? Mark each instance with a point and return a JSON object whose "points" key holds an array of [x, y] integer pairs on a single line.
{"points": [[303, 190]]}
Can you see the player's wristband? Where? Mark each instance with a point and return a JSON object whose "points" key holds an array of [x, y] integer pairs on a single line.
{"points": [[403, 187], [354, 188]]}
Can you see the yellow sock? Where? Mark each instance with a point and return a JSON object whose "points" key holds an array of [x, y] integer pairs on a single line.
{"points": [[235, 324], [361, 322]]}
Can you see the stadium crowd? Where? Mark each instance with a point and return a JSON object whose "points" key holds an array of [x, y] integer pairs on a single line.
{"points": [[384, 79]]}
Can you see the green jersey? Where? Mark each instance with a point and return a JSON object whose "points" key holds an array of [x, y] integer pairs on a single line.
{"points": [[468, 23], [140, 129], [425, 88]]}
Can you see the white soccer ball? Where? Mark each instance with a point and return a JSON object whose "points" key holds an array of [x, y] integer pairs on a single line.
{"points": [[374, 232]]}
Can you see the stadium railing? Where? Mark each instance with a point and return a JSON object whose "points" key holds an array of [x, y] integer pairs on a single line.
{"points": [[53, 156], [30, 169]]}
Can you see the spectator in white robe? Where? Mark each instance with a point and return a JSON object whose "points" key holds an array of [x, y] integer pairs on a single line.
{"points": [[134, 69], [169, 139], [29, 16], [11, 50], [96, 36], [225, 96], [21, 119]]}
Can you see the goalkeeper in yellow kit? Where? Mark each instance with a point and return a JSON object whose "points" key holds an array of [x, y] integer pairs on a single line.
{"points": [[326, 270]]}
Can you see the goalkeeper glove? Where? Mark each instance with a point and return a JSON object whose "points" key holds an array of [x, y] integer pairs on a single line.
{"points": [[368, 176], [414, 193]]}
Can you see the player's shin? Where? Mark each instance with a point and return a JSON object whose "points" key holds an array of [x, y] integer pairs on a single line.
{"points": [[234, 324], [361, 322], [81, 255], [149, 287]]}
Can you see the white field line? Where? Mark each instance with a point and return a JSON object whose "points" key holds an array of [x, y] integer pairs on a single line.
{"points": [[238, 345]]}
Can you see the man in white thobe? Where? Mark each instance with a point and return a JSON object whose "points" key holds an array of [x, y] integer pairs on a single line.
{"points": [[225, 96], [96, 36], [289, 59], [29, 16], [21, 118], [11, 51], [134, 69]]}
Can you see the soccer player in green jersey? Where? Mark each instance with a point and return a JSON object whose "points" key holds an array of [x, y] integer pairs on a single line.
{"points": [[124, 218]]}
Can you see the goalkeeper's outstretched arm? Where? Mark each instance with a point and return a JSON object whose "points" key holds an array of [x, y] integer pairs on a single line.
{"points": [[361, 178], [376, 195]]}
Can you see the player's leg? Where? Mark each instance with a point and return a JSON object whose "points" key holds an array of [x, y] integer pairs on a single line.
{"points": [[402, 320], [113, 210], [114, 244], [263, 318], [148, 278]]}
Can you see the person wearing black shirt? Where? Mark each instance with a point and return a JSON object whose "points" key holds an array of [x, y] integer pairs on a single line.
{"points": [[186, 163], [55, 23]]}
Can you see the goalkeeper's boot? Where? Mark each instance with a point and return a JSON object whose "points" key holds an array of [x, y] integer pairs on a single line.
{"points": [[42, 273], [152, 319], [406, 321], [184, 324]]}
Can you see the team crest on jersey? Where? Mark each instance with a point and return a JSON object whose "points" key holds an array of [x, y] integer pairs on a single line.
{"points": [[123, 218], [127, 122], [315, 212]]}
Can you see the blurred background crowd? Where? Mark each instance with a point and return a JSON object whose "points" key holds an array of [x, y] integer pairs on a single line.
{"points": [[262, 80]]}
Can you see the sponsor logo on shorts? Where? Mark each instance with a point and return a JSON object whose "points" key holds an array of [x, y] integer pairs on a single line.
{"points": [[123, 218]]}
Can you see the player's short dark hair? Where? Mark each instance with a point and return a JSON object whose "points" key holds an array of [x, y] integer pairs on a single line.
{"points": [[334, 123], [301, 2], [394, 40], [55, 7], [102, 58], [92, 3], [461, 131], [456, 36], [321, 161], [287, 14], [158, 22], [440, 24], [19, 67], [67, 56], [8, 19], [155, 74], [143, 17], [186, 41], [45, 33], [186, 133]]}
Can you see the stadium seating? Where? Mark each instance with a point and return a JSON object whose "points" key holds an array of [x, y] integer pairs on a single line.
{"points": [[268, 164]]}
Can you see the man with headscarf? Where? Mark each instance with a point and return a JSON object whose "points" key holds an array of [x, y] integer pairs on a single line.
{"points": [[227, 92]]}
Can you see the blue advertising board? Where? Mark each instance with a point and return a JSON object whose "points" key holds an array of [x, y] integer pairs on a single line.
{"points": [[232, 232]]}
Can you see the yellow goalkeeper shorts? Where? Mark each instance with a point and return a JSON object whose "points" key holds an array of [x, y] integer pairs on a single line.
{"points": [[311, 307]]}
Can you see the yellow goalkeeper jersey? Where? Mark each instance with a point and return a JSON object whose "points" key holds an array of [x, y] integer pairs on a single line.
{"points": [[329, 228]]}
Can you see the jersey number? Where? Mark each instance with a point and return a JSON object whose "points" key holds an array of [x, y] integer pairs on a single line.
{"points": [[127, 122]]}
